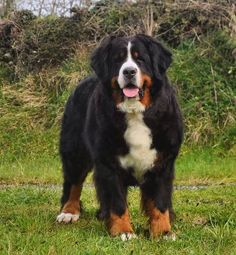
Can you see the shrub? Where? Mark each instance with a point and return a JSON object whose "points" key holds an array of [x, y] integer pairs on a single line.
{"points": [[30, 44], [204, 73], [51, 54], [46, 42]]}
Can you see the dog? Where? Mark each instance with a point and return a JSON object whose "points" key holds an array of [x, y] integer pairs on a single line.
{"points": [[125, 123]]}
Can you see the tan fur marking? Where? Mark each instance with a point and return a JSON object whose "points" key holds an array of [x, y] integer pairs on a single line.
{"points": [[147, 80], [117, 97], [114, 84], [135, 54], [159, 223], [73, 205], [119, 224], [146, 99], [116, 92]]}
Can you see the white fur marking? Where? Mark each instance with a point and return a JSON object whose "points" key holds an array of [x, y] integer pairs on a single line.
{"points": [[129, 63], [127, 236], [67, 217], [170, 237], [131, 105], [138, 138]]}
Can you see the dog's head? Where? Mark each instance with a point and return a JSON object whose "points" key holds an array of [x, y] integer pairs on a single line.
{"points": [[131, 68]]}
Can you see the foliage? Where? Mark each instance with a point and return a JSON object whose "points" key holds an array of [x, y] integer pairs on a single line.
{"points": [[31, 109], [204, 73], [46, 42], [31, 44], [22, 18], [42, 60]]}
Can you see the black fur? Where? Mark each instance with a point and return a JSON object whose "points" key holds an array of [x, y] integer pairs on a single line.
{"points": [[92, 133]]}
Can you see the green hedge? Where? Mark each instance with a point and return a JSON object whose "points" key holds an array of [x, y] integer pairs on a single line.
{"points": [[48, 56]]}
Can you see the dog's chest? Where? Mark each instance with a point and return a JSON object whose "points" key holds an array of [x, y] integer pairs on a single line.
{"points": [[139, 139]]}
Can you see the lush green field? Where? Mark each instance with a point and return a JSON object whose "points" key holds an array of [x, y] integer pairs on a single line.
{"points": [[194, 166], [205, 224]]}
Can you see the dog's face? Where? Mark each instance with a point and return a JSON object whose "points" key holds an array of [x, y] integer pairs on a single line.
{"points": [[130, 67]]}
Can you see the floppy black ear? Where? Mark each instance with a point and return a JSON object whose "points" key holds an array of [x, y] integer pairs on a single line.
{"points": [[99, 59], [160, 56]]}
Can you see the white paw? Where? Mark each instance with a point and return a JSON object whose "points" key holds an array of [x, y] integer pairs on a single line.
{"points": [[67, 217], [127, 236], [170, 236]]}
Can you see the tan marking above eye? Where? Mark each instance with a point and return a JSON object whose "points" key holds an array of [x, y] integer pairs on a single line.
{"points": [[135, 54], [119, 56]]}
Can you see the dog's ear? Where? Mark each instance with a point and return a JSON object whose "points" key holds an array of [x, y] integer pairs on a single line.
{"points": [[100, 57], [160, 56]]}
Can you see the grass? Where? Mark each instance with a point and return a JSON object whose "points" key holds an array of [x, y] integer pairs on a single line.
{"points": [[205, 224], [194, 166], [205, 166]]}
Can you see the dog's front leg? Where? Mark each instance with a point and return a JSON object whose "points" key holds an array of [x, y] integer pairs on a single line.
{"points": [[157, 197], [111, 194]]}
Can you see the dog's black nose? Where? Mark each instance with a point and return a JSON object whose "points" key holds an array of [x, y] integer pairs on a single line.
{"points": [[129, 72]]}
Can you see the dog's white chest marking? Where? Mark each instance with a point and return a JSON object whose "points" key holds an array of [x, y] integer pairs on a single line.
{"points": [[138, 137]]}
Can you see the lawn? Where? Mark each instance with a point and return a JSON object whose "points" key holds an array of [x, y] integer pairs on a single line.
{"points": [[194, 166], [205, 222]]}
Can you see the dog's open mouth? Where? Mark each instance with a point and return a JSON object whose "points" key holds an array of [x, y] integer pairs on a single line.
{"points": [[130, 91]]}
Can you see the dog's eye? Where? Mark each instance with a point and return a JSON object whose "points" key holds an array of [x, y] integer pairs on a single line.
{"points": [[137, 56], [119, 56]]}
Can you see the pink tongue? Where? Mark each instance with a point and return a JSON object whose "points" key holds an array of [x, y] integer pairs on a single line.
{"points": [[130, 92]]}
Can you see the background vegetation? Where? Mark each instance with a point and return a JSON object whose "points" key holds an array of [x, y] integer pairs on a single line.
{"points": [[43, 58]]}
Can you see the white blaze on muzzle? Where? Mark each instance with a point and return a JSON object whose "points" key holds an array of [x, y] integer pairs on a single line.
{"points": [[129, 63]]}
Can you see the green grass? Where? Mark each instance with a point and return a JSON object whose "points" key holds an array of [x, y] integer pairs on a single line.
{"points": [[205, 165], [194, 166], [46, 169], [205, 224]]}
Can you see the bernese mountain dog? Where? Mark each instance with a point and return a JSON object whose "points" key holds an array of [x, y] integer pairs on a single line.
{"points": [[125, 123]]}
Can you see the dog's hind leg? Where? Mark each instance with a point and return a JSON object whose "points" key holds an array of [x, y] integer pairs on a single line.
{"points": [[76, 167]]}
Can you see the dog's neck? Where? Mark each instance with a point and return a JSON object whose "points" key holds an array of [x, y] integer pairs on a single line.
{"points": [[131, 105]]}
